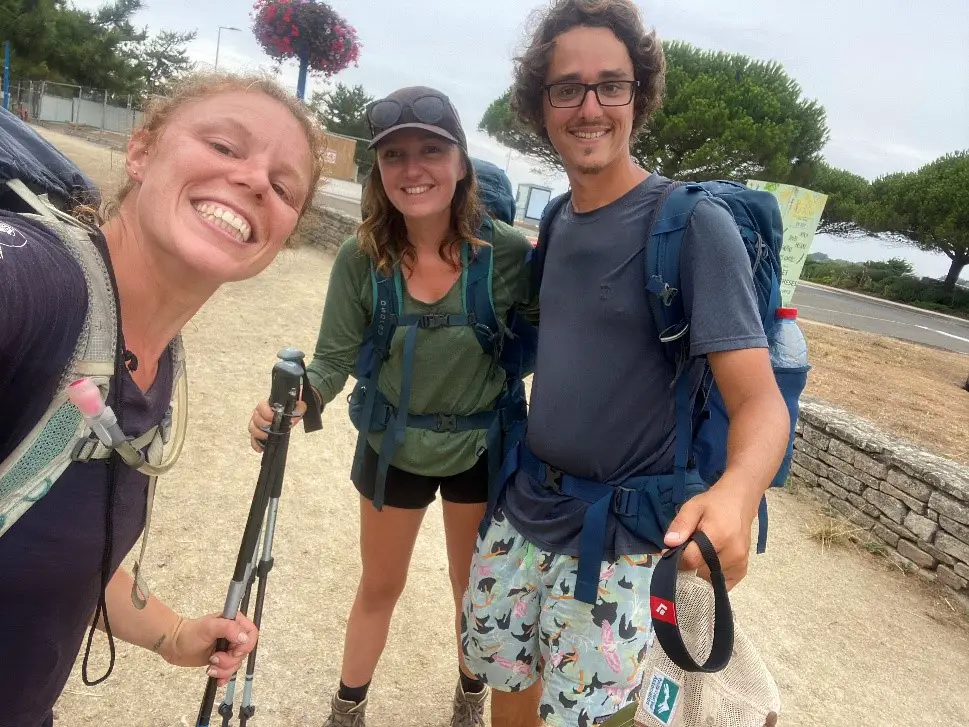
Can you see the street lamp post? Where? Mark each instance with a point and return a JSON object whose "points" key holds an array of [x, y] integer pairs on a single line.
{"points": [[218, 40]]}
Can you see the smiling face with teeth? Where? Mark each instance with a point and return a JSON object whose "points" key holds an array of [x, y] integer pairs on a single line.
{"points": [[220, 188], [420, 171], [590, 138]]}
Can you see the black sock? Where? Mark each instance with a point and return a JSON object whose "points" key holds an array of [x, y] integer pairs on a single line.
{"points": [[471, 686], [353, 694]]}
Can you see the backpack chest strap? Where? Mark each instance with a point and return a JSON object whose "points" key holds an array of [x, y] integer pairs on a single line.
{"points": [[436, 320], [91, 448]]}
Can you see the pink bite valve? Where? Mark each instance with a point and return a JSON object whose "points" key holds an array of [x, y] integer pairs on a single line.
{"points": [[86, 396]]}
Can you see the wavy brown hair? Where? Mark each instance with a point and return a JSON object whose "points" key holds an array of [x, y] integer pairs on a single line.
{"points": [[383, 235], [623, 18], [158, 111]]}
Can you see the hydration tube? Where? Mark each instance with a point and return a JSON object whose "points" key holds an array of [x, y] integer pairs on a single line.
{"points": [[86, 396]]}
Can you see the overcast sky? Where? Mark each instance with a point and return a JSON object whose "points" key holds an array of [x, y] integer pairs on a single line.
{"points": [[894, 79]]}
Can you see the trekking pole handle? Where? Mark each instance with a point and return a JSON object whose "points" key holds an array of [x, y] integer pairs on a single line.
{"points": [[313, 418], [285, 387], [291, 354]]}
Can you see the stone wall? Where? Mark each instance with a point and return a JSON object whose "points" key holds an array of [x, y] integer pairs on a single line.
{"points": [[327, 228], [915, 503]]}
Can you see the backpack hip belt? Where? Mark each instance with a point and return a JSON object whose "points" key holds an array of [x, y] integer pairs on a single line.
{"points": [[645, 505]]}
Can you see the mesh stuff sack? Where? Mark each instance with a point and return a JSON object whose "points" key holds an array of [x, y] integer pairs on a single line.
{"points": [[692, 618]]}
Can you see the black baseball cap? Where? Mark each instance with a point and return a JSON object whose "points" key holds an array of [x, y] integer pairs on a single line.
{"points": [[415, 107]]}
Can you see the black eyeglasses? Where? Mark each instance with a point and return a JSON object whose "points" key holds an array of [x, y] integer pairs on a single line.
{"points": [[387, 112], [569, 94]]}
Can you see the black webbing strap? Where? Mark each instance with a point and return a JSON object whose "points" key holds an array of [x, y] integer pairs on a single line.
{"points": [[662, 607]]}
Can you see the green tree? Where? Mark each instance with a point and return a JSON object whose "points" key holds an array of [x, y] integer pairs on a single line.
{"points": [[342, 110], [928, 208], [96, 50], [500, 123], [724, 116], [847, 194], [164, 59], [54, 41]]}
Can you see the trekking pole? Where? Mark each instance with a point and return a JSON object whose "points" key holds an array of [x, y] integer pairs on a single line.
{"points": [[286, 379], [312, 421], [225, 709], [246, 709]]}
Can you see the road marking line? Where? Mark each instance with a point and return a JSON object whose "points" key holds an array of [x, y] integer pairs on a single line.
{"points": [[856, 315], [885, 320], [943, 333]]}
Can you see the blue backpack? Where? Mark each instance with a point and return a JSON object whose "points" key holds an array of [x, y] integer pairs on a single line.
{"points": [[494, 191], [701, 420], [512, 343]]}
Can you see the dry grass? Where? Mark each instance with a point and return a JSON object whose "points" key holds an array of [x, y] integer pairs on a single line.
{"points": [[910, 390], [829, 530], [832, 530]]}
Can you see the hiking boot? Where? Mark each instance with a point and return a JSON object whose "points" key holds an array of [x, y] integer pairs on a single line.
{"points": [[468, 708], [346, 714]]}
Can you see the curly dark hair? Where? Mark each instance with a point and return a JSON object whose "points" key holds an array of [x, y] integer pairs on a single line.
{"points": [[623, 18]]}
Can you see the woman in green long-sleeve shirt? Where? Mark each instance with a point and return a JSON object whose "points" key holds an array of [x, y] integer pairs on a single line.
{"points": [[422, 212]]}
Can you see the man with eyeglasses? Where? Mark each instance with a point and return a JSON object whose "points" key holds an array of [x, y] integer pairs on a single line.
{"points": [[554, 644]]}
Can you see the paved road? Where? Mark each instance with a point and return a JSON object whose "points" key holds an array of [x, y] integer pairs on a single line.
{"points": [[874, 316]]}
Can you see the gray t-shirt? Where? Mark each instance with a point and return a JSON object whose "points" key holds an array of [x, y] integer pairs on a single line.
{"points": [[601, 403]]}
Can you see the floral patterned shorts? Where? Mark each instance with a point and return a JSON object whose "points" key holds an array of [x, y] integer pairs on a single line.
{"points": [[521, 622]]}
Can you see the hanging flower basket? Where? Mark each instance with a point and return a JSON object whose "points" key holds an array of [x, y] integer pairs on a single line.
{"points": [[307, 31]]}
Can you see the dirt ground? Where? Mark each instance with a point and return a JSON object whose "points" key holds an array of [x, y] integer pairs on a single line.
{"points": [[850, 640]]}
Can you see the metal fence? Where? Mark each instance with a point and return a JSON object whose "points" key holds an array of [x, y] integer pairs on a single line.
{"points": [[65, 103]]}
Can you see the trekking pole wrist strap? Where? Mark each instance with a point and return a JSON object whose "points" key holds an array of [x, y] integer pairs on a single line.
{"points": [[664, 612]]}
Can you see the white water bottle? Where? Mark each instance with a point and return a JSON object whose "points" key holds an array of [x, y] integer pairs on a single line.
{"points": [[788, 347]]}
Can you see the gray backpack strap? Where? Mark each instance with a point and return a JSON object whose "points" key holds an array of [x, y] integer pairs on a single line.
{"points": [[175, 422], [61, 436], [29, 472]]}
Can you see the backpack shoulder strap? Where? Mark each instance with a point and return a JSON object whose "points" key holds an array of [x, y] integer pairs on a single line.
{"points": [[662, 259], [31, 469], [387, 297], [478, 297], [541, 249]]}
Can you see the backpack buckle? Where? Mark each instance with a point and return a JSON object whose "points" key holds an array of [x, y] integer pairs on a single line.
{"points": [[446, 423], [84, 448], [661, 289], [623, 502], [433, 320], [667, 294], [553, 479]]}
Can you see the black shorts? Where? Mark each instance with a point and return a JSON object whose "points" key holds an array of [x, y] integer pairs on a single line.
{"points": [[415, 492]]}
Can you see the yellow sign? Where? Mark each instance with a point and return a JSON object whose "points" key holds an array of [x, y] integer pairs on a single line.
{"points": [[801, 212]]}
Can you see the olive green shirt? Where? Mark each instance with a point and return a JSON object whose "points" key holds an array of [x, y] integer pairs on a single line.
{"points": [[451, 374]]}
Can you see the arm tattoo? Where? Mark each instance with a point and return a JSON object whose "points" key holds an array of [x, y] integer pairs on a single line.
{"points": [[157, 644]]}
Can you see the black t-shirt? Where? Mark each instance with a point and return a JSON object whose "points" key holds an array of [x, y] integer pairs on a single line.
{"points": [[50, 559]]}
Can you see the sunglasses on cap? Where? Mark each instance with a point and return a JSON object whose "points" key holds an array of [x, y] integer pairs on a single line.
{"points": [[388, 112]]}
